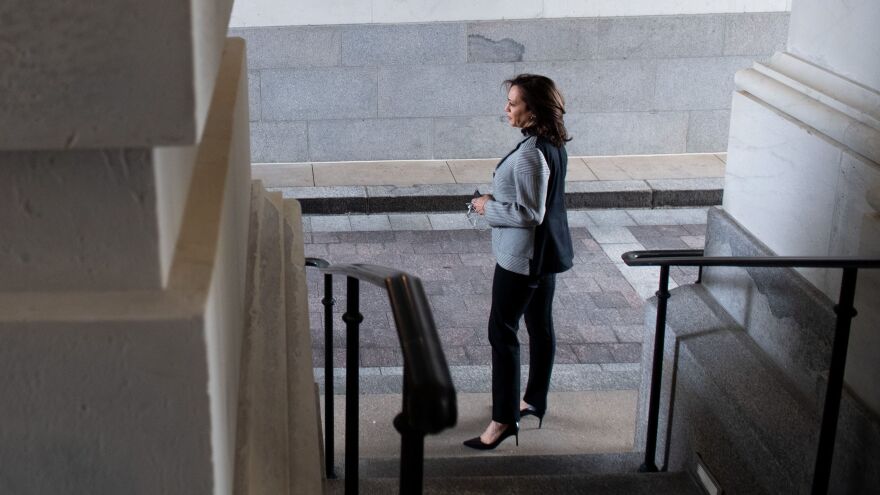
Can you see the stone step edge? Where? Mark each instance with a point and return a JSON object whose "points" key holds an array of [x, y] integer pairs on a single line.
{"points": [[630, 483], [768, 419], [509, 465], [659, 193]]}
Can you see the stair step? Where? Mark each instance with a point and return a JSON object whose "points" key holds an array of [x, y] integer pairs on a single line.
{"points": [[733, 406], [608, 484], [278, 438], [492, 465]]}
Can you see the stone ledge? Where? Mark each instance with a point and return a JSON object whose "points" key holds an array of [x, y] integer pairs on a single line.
{"points": [[325, 200]]}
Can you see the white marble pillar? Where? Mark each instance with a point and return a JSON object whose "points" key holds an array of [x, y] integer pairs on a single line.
{"points": [[124, 189], [804, 157]]}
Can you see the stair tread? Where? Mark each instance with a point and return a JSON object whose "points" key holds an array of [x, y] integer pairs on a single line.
{"points": [[493, 465], [740, 370], [608, 484]]}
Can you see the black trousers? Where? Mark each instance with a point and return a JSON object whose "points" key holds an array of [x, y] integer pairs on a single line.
{"points": [[515, 296]]}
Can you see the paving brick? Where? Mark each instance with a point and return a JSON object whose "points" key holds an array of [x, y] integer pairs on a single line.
{"points": [[315, 250], [460, 336], [610, 217], [694, 241], [479, 354], [626, 353], [612, 234], [664, 242], [683, 275], [596, 310], [629, 333], [330, 223], [695, 229], [671, 230], [565, 354], [578, 284], [368, 251], [597, 333], [616, 251], [381, 356], [651, 217], [409, 222], [609, 300], [593, 353], [687, 215], [449, 221], [580, 234], [568, 334], [642, 232], [370, 222], [456, 355], [336, 250]]}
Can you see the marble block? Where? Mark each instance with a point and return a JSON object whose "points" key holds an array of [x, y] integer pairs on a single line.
{"points": [[91, 219], [108, 74]]}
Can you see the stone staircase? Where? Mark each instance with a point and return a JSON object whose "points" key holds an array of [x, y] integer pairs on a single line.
{"points": [[744, 379], [279, 430], [734, 398], [279, 441]]}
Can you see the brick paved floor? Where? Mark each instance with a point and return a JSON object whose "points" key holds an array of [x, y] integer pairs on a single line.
{"points": [[599, 306]]}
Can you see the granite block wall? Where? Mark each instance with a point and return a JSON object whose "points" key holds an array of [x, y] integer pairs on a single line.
{"points": [[633, 85]]}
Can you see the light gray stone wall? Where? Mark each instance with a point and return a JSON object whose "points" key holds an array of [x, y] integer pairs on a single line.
{"points": [[633, 85]]}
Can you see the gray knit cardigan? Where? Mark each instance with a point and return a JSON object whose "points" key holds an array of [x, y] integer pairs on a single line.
{"points": [[520, 194]]}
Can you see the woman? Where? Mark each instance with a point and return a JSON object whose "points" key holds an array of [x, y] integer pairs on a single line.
{"points": [[531, 243]]}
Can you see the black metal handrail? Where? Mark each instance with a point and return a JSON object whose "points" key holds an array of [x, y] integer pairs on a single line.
{"points": [[328, 301], [844, 310], [429, 403]]}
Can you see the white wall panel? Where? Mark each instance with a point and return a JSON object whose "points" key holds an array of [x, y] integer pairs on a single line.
{"points": [[252, 13]]}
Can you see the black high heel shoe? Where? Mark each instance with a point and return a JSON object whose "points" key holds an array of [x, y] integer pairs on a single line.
{"points": [[510, 431], [531, 411]]}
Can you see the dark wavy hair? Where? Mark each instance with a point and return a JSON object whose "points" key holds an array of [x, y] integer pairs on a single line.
{"points": [[546, 103]]}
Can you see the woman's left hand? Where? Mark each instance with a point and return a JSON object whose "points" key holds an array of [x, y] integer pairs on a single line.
{"points": [[480, 203]]}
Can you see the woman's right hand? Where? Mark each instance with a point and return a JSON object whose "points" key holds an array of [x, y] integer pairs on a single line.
{"points": [[480, 203]]}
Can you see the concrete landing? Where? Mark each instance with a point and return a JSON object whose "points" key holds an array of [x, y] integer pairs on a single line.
{"points": [[576, 423]]}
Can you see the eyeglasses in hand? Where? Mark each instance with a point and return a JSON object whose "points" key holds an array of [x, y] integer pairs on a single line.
{"points": [[476, 220]]}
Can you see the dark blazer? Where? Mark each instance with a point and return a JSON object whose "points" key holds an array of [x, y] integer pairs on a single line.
{"points": [[553, 251]]}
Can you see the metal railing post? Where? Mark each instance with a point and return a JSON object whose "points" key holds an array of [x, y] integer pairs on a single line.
{"points": [[412, 449], [329, 438], [353, 319], [845, 313], [656, 374], [429, 394]]}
